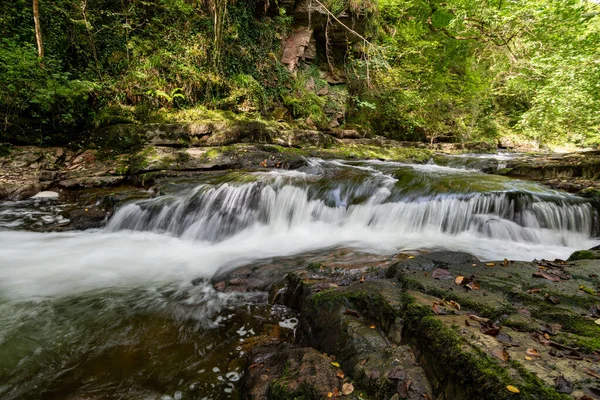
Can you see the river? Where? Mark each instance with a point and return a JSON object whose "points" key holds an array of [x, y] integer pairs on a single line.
{"points": [[128, 311]]}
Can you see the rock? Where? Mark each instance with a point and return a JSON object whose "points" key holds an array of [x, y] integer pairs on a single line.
{"points": [[91, 182], [430, 261], [295, 46], [282, 370], [46, 195]]}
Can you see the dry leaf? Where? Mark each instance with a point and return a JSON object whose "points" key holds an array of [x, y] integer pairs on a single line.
{"points": [[372, 326], [340, 374], [591, 373], [362, 362], [362, 280], [513, 389], [426, 396], [546, 276], [347, 388], [490, 264], [533, 353], [478, 319], [552, 299], [330, 394], [454, 304], [506, 262], [500, 354], [459, 280], [335, 364], [438, 310], [409, 257], [597, 321], [474, 285], [336, 392], [528, 358], [534, 290], [473, 265]]}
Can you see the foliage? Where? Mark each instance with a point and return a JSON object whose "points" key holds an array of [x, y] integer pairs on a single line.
{"points": [[434, 70]]}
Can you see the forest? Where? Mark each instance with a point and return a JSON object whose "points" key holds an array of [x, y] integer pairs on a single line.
{"points": [[414, 70]]}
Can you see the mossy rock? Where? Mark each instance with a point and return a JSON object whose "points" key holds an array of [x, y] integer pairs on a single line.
{"points": [[585, 255]]}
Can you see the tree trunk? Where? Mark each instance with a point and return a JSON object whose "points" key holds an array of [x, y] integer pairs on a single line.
{"points": [[38, 29]]}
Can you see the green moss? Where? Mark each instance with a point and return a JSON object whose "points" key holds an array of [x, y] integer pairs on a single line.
{"points": [[478, 375], [576, 331], [278, 391], [584, 255]]}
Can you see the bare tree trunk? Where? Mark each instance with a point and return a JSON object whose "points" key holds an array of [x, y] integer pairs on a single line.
{"points": [[38, 29]]}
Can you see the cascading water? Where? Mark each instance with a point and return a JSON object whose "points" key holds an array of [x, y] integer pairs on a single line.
{"points": [[113, 313], [358, 204]]}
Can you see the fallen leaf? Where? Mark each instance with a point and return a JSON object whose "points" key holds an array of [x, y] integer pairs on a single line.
{"points": [[587, 290], [528, 358], [500, 354], [591, 373], [347, 388], [597, 321], [438, 310], [340, 374], [459, 280], [336, 392], [362, 362], [372, 326], [362, 280], [492, 330], [474, 285], [409, 257], [552, 299], [490, 264], [513, 389], [478, 319], [330, 394], [473, 265], [454, 304], [426, 396], [546, 276], [506, 262], [335, 364], [533, 353], [535, 290]]}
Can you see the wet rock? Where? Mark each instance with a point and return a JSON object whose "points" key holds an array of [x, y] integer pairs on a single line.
{"points": [[282, 370], [430, 261], [46, 195]]}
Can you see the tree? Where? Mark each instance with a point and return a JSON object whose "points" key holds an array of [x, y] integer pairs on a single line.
{"points": [[38, 29]]}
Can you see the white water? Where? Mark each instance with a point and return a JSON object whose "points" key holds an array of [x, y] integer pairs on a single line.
{"points": [[179, 237]]}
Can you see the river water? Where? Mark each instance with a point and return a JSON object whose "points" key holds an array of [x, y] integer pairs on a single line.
{"points": [[113, 312]]}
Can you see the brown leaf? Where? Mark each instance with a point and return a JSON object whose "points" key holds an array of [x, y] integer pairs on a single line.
{"points": [[336, 392], [340, 374], [362, 280], [490, 264], [591, 373], [459, 280], [426, 396], [552, 299], [474, 285], [441, 273], [478, 319], [534, 290], [438, 310], [454, 304], [546, 276], [362, 362], [492, 330], [500, 354], [347, 388], [506, 262], [533, 352]]}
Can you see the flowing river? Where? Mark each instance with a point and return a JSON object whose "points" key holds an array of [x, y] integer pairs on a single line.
{"points": [[128, 311]]}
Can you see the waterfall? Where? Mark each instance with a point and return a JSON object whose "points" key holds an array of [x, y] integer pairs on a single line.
{"points": [[360, 198]]}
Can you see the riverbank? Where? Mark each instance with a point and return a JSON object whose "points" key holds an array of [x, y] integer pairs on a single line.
{"points": [[139, 154], [441, 325]]}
